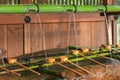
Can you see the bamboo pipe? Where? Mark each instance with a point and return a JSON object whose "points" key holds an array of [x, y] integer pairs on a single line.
{"points": [[14, 61], [76, 59], [10, 71], [81, 68], [92, 60], [26, 8], [69, 69]]}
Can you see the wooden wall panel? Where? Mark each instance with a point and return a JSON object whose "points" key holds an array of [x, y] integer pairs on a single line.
{"points": [[55, 25], [49, 33], [85, 33], [27, 47], [3, 39], [36, 43], [98, 33], [15, 40], [62, 35]]}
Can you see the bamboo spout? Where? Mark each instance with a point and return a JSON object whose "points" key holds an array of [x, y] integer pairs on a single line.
{"points": [[10, 71]]}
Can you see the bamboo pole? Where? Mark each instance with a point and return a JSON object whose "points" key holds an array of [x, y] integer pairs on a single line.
{"points": [[70, 69], [77, 59], [81, 68], [27, 8], [10, 71], [92, 60]]}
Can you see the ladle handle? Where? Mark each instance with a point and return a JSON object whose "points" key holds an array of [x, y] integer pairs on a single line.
{"points": [[27, 68], [10, 71], [81, 68], [109, 58], [69, 69], [93, 60]]}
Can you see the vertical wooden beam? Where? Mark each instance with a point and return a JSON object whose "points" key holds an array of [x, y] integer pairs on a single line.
{"points": [[27, 45], [114, 32]]}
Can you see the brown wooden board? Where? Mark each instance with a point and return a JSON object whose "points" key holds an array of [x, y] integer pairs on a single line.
{"points": [[15, 40], [85, 33], [27, 47], [98, 33], [49, 33], [3, 39], [36, 43]]}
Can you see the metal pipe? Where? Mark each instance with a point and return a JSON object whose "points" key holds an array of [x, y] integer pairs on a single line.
{"points": [[27, 8]]}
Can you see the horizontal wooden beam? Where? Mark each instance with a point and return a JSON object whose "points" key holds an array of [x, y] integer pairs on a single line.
{"points": [[49, 17]]}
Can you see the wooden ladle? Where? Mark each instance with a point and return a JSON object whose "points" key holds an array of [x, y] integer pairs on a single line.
{"points": [[3, 68], [78, 53], [14, 61], [52, 60], [65, 59]]}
